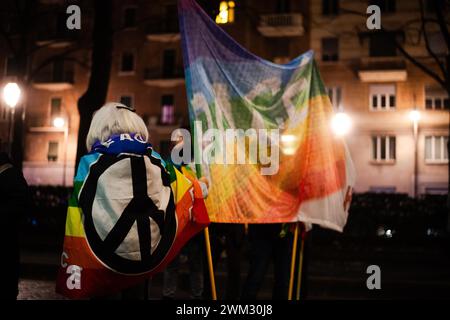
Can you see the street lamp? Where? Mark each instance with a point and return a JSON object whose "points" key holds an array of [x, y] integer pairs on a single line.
{"points": [[11, 95], [341, 124], [60, 122], [414, 116]]}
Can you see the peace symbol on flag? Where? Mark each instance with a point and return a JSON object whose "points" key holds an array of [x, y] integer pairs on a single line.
{"points": [[129, 227]]}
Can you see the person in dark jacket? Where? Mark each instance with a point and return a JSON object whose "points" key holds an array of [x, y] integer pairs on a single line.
{"points": [[14, 201]]}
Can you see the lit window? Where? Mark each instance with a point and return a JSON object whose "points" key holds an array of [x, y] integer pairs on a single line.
{"points": [[52, 154], [226, 12], [436, 149], [383, 148], [382, 97], [167, 110], [436, 99]]}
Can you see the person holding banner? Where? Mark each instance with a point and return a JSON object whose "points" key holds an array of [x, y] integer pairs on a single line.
{"points": [[193, 248]]}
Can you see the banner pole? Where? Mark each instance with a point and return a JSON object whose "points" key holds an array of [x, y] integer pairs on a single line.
{"points": [[294, 251], [210, 265], [300, 268], [198, 170]]}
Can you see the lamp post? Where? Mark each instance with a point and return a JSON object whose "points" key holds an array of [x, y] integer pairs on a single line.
{"points": [[60, 122], [414, 116], [11, 95]]}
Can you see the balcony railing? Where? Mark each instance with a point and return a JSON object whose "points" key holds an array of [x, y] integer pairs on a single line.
{"points": [[157, 77], [382, 69], [281, 25], [163, 30], [157, 73], [54, 81], [56, 38]]}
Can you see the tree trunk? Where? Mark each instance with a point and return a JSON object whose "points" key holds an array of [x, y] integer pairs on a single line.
{"points": [[95, 95]]}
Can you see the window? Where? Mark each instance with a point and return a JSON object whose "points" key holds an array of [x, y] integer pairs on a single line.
{"points": [[169, 59], [55, 107], [127, 100], [383, 148], [430, 6], [52, 154], [167, 110], [382, 44], [127, 63], [12, 67], [283, 6], [330, 50], [386, 6], [436, 99], [330, 7], [335, 97], [382, 97], [436, 149], [129, 17], [226, 12]]}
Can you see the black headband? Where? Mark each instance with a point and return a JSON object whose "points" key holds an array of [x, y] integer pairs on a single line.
{"points": [[126, 107]]}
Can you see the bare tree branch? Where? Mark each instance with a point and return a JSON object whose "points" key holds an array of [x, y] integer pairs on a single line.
{"points": [[427, 42], [51, 59], [420, 65], [439, 9]]}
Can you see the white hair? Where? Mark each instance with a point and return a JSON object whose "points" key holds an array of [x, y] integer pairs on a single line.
{"points": [[109, 120]]}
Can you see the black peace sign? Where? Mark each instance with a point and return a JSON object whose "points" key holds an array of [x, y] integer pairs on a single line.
{"points": [[139, 210]]}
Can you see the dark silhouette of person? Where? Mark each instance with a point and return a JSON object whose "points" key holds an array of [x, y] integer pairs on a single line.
{"points": [[15, 199], [268, 242]]}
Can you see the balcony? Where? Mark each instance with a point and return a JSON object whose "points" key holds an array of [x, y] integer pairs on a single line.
{"points": [[54, 81], [382, 69], [159, 78], [166, 30], [56, 39], [281, 25], [41, 124]]}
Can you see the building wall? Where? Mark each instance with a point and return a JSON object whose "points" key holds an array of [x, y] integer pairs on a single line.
{"points": [[410, 94]]}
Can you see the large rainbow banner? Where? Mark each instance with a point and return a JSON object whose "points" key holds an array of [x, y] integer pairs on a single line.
{"points": [[301, 172]]}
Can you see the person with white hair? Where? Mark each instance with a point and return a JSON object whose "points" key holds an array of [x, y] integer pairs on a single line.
{"points": [[135, 210]]}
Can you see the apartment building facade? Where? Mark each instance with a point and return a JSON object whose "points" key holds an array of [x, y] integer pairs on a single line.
{"points": [[147, 73], [369, 79]]}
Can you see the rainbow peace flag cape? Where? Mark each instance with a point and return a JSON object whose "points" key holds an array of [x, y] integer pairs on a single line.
{"points": [[128, 217], [230, 88]]}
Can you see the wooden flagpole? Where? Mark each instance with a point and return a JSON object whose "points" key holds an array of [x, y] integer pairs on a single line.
{"points": [[300, 268], [294, 255], [210, 265]]}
